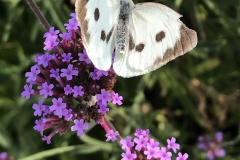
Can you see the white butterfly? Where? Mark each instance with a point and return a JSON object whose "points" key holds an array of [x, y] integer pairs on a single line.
{"points": [[145, 36]]}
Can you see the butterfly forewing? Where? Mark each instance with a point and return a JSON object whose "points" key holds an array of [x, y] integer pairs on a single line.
{"points": [[97, 20], [156, 36]]}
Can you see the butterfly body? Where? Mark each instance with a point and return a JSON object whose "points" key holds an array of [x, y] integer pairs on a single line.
{"points": [[145, 36], [122, 28]]}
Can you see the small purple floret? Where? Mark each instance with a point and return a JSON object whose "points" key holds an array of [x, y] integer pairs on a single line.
{"points": [[50, 43], [28, 91], [111, 135], [128, 155], [67, 89], [39, 108], [46, 90], [54, 73], [32, 76], [79, 126], [116, 99], [173, 145], [67, 57], [104, 97], [103, 109], [51, 33], [84, 57], [69, 72], [58, 107], [77, 91], [182, 157], [72, 25], [127, 143]]}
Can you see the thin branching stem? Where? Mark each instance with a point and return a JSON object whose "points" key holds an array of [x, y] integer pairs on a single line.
{"points": [[42, 19], [39, 14]]}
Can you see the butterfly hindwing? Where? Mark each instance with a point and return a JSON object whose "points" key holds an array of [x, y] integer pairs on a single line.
{"points": [[156, 36], [97, 20]]}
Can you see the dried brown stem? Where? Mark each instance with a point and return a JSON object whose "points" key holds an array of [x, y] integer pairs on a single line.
{"points": [[39, 14]]}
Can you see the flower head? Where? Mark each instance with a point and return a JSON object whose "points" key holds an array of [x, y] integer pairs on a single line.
{"points": [[147, 148], [212, 145], [4, 156], [77, 90]]}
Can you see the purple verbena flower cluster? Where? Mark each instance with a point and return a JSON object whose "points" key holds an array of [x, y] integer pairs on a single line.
{"points": [[4, 156], [142, 147], [212, 145], [65, 75]]}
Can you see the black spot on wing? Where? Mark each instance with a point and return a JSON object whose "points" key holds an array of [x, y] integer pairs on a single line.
{"points": [[139, 47], [159, 36], [109, 35], [131, 45], [96, 14], [103, 35]]}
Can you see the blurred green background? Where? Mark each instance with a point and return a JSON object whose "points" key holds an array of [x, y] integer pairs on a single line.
{"points": [[196, 94]]}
